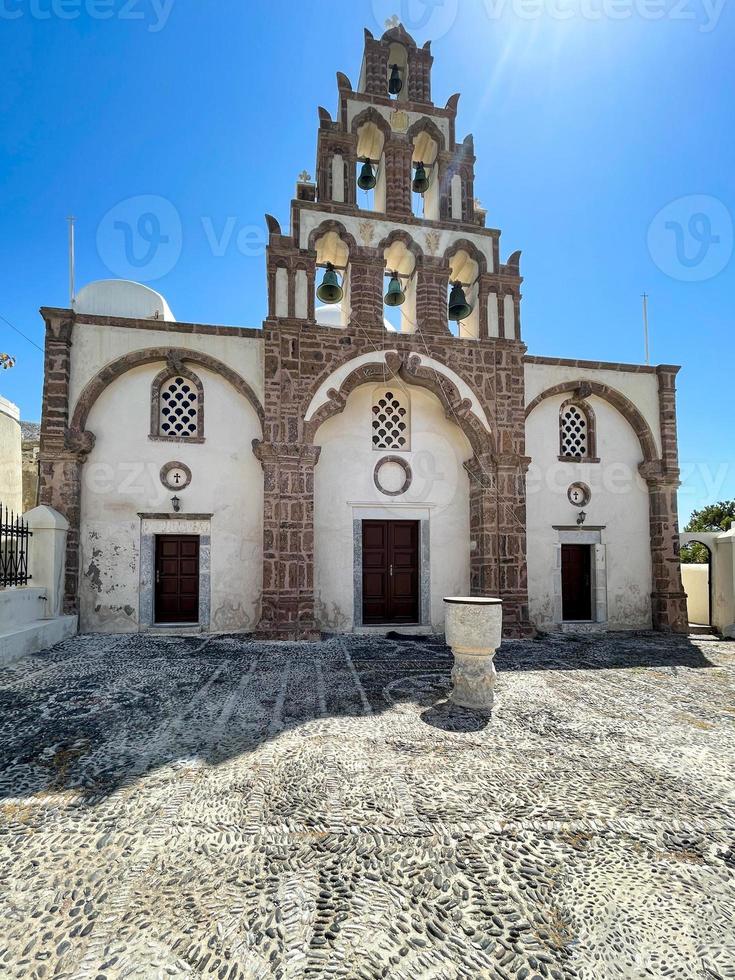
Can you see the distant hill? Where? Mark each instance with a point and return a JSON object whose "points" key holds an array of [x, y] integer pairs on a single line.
{"points": [[30, 431]]}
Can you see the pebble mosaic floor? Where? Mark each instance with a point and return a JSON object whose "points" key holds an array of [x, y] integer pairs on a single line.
{"points": [[215, 808]]}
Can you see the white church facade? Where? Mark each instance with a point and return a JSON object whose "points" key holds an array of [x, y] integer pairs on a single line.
{"points": [[334, 471]]}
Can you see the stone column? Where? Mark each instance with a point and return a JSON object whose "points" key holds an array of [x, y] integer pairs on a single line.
{"points": [[432, 286], [484, 580], [510, 470], [366, 295], [483, 293], [60, 458], [288, 540], [498, 536], [398, 177], [60, 488], [668, 599]]}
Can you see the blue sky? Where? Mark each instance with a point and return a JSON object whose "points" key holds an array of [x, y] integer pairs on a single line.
{"points": [[604, 139]]}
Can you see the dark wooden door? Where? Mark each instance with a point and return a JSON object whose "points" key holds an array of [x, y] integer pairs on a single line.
{"points": [[390, 572], [177, 578], [576, 581]]}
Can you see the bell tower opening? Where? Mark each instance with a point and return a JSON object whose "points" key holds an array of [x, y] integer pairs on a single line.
{"points": [[397, 79]]}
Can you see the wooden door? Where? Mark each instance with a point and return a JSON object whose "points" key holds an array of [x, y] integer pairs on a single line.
{"points": [[177, 578], [390, 572], [576, 581]]}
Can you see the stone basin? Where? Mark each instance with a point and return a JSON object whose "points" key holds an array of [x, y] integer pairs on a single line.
{"points": [[473, 627]]}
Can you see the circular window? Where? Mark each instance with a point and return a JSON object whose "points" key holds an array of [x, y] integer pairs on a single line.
{"points": [[392, 476]]}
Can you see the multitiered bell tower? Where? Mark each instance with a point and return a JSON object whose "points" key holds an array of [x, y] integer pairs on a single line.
{"points": [[392, 216]]}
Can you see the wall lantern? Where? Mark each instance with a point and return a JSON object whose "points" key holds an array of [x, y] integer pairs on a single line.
{"points": [[176, 504], [459, 308], [420, 180], [395, 295], [330, 290], [367, 179], [581, 518], [395, 82]]}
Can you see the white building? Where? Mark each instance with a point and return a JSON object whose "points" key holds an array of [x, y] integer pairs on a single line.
{"points": [[333, 472]]}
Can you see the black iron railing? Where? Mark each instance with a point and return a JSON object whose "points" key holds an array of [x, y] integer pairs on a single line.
{"points": [[14, 535]]}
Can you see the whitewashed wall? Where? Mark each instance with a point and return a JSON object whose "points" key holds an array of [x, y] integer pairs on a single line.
{"points": [[695, 579], [619, 503], [640, 387], [11, 464], [95, 345], [121, 479], [344, 491]]}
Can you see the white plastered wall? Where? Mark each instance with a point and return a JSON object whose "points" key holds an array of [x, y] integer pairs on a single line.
{"points": [[345, 491], [95, 345], [11, 464], [121, 479], [619, 506], [640, 387], [695, 579]]}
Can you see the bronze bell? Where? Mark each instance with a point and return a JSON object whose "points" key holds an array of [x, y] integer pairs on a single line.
{"points": [[395, 82], [395, 295], [459, 308], [367, 179], [330, 290], [420, 180]]}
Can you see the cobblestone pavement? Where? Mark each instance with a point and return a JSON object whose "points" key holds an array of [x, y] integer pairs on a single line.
{"points": [[216, 808]]}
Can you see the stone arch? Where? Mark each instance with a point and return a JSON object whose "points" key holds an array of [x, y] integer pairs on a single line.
{"points": [[583, 389], [324, 227], [426, 125], [397, 235], [464, 244], [408, 368], [371, 115], [175, 358]]}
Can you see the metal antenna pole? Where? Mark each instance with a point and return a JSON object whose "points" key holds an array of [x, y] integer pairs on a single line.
{"points": [[71, 219], [645, 326]]}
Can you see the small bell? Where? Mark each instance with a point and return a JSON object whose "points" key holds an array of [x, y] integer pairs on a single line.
{"points": [[395, 295], [395, 82], [367, 180], [330, 290], [420, 180], [459, 308]]}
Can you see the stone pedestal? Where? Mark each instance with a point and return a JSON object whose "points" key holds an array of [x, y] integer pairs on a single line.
{"points": [[473, 630]]}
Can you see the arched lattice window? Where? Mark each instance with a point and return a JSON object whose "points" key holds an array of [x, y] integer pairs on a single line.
{"points": [[391, 421], [576, 431], [177, 407]]}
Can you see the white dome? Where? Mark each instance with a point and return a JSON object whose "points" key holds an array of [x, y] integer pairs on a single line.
{"points": [[120, 297], [331, 316]]}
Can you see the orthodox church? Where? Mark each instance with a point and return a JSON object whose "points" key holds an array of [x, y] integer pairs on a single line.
{"points": [[383, 441]]}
